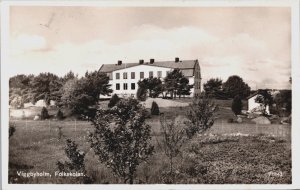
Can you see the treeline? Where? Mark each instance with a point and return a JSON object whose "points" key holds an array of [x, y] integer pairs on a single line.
{"points": [[76, 93], [234, 86]]}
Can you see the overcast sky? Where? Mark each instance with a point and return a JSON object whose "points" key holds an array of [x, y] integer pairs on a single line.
{"points": [[253, 43]]}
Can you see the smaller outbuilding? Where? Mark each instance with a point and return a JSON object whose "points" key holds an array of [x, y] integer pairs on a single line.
{"points": [[254, 106]]}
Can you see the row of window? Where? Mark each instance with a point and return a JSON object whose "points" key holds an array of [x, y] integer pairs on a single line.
{"points": [[125, 86], [142, 75]]}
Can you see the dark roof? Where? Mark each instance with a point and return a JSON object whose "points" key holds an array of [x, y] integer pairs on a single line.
{"points": [[251, 95], [183, 65]]}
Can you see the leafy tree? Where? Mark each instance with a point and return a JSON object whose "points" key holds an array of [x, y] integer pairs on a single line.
{"points": [[177, 84], [113, 101], [81, 95], [236, 86], [69, 76], [174, 137], [141, 93], [283, 101], [153, 85], [201, 115], [44, 114], [154, 108], [213, 88], [121, 139], [60, 115], [237, 105], [46, 86], [20, 90], [76, 163]]}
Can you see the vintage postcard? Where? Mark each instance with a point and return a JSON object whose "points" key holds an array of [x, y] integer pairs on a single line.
{"points": [[150, 95]]}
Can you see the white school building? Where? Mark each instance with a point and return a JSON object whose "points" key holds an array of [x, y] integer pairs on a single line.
{"points": [[125, 76]]}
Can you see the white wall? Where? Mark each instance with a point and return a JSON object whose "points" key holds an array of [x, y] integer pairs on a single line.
{"points": [[137, 69], [252, 104]]}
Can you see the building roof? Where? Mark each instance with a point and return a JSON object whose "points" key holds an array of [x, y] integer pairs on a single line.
{"points": [[187, 66], [252, 95]]}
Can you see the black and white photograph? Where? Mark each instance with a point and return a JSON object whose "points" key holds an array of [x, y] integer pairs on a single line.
{"points": [[135, 94]]}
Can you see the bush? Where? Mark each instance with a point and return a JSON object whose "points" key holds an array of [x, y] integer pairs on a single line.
{"points": [[12, 130], [59, 115], [122, 139], [44, 114], [154, 109], [141, 94], [113, 101], [237, 105], [201, 115]]}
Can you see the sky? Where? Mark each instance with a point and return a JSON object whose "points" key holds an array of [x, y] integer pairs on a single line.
{"points": [[252, 42]]}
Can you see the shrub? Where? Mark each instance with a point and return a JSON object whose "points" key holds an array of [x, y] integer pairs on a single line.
{"points": [[174, 137], [237, 105], [60, 115], [12, 130], [76, 162], [141, 94], [113, 101], [44, 114], [121, 139], [201, 115], [154, 108]]}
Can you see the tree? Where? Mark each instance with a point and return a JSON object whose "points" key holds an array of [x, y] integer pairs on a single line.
{"points": [[174, 137], [121, 139], [237, 105], [236, 86], [283, 101], [113, 101], [44, 114], [20, 90], [153, 85], [82, 95], [154, 108], [46, 86], [60, 115], [201, 115], [177, 84], [213, 88], [141, 93], [76, 163]]}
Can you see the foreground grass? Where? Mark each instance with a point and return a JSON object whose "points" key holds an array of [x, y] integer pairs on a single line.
{"points": [[229, 156]]}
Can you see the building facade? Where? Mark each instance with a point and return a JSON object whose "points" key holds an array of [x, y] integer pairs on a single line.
{"points": [[124, 77]]}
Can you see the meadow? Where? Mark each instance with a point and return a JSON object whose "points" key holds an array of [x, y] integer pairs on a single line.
{"points": [[227, 153]]}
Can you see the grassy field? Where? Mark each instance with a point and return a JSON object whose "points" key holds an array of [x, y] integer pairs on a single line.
{"points": [[227, 153]]}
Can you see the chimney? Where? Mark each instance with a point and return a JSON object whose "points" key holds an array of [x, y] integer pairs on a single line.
{"points": [[119, 62], [151, 61], [176, 59], [141, 61]]}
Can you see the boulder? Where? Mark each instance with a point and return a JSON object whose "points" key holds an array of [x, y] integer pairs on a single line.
{"points": [[36, 118], [239, 120], [261, 120]]}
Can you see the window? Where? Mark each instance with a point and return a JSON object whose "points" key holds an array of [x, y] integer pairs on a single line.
{"points": [[124, 75], [159, 74], [141, 75], [118, 86], [132, 86], [117, 75], [125, 86], [150, 74], [132, 75]]}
